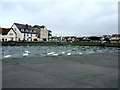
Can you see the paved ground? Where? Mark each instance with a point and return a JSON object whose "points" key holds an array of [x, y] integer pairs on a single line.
{"points": [[85, 71]]}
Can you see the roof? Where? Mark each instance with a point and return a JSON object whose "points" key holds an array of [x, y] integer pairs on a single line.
{"points": [[25, 28], [37, 26], [116, 35], [4, 31]]}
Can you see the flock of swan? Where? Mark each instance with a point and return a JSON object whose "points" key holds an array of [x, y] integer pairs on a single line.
{"points": [[26, 53]]}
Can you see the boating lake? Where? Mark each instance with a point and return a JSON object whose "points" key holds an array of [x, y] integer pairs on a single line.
{"points": [[41, 51]]}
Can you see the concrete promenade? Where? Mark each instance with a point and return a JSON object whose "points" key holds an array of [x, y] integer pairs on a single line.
{"points": [[83, 71]]}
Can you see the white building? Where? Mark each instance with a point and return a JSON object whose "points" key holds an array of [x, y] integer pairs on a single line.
{"points": [[42, 32], [24, 32], [7, 34], [115, 38]]}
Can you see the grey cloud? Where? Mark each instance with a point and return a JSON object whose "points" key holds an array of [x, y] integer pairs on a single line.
{"points": [[67, 18]]}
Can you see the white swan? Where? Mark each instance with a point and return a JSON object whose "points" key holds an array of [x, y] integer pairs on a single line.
{"points": [[63, 52], [50, 53], [80, 53], [68, 53], [7, 56], [91, 52], [26, 53], [55, 54]]}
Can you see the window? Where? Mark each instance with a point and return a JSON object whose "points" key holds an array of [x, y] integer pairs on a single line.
{"points": [[26, 30], [36, 35], [22, 29], [18, 39], [11, 38], [10, 33]]}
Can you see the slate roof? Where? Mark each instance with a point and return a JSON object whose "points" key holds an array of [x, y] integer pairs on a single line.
{"points": [[25, 28], [37, 26], [116, 35]]}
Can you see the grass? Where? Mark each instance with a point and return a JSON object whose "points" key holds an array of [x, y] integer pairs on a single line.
{"points": [[60, 44]]}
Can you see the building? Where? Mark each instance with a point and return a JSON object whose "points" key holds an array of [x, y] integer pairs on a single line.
{"points": [[95, 38], [24, 32], [115, 38], [42, 32], [79, 39], [85, 39], [7, 34], [70, 38], [49, 35], [106, 38], [55, 39]]}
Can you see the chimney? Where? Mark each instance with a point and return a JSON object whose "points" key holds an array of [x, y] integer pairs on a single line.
{"points": [[26, 26]]}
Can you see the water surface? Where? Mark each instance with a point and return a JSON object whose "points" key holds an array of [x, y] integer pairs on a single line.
{"points": [[40, 51]]}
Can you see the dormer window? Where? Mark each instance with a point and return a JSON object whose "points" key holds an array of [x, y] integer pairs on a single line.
{"points": [[26, 30], [22, 29]]}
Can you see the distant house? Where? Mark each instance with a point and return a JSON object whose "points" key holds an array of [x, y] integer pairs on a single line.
{"points": [[70, 38], [55, 39], [106, 38], [79, 39], [49, 34], [7, 34], [85, 39], [115, 38], [42, 32], [24, 32], [95, 39]]}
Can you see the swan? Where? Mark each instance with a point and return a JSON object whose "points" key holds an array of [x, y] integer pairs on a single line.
{"points": [[55, 54], [26, 53], [68, 53], [80, 53], [63, 52], [7, 56], [50, 53], [91, 52]]}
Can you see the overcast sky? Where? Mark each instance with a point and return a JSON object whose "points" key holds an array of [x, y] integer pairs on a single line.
{"points": [[63, 17]]}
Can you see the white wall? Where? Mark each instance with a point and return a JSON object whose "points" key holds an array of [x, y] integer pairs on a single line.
{"points": [[34, 37], [0, 37], [44, 33], [3, 37], [19, 34], [11, 35], [28, 37]]}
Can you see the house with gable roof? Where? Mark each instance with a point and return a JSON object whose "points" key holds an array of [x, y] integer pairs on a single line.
{"points": [[24, 32], [115, 38], [7, 34]]}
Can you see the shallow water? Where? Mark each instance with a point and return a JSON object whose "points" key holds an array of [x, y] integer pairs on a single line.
{"points": [[38, 51]]}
